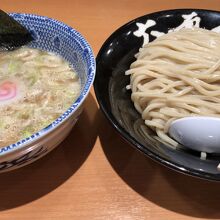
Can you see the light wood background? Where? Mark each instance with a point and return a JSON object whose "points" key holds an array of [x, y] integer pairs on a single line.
{"points": [[94, 174]]}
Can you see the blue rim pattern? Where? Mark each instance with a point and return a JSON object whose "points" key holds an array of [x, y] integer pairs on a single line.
{"points": [[87, 57]]}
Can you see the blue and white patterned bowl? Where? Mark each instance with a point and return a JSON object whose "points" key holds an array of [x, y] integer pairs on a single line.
{"points": [[54, 36]]}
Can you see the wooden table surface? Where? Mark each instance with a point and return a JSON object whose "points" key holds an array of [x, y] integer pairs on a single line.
{"points": [[94, 174]]}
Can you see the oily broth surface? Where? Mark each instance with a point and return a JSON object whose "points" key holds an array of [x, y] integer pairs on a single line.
{"points": [[36, 87]]}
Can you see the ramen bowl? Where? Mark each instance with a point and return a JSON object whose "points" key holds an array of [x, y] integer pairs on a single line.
{"points": [[52, 36], [115, 57]]}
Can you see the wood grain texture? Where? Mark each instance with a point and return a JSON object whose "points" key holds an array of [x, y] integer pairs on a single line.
{"points": [[96, 174]]}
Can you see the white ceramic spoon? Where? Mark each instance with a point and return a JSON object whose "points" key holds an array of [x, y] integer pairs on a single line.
{"points": [[198, 133]]}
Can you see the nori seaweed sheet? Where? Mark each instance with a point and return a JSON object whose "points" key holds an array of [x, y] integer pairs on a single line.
{"points": [[12, 33]]}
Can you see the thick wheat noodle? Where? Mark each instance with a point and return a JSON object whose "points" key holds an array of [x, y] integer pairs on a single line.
{"points": [[177, 75]]}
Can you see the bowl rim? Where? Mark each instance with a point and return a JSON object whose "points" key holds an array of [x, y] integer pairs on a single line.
{"points": [[121, 131], [22, 143]]}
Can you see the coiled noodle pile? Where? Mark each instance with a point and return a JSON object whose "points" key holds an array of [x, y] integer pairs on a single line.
{"points": [[175, 76]]}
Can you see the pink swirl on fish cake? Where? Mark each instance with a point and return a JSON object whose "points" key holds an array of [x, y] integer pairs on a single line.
{"points": [[8, 90]]}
